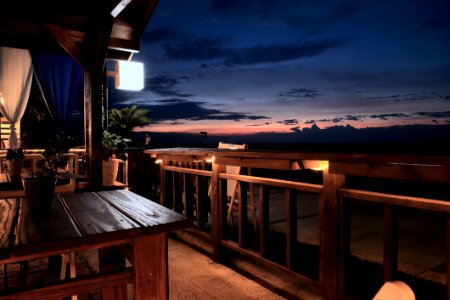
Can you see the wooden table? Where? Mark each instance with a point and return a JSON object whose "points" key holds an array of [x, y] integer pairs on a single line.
{"points": [[93, 220]]}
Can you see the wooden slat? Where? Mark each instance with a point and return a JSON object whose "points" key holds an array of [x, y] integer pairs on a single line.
{"points": [[242, 213], [447, 252], [177, 192], [390, 243], [279, 164], [291, 228], [9, 209], [145, 212], [218, 209], [395, 171], [263, 219], [113, 222], [49, 233], [73, 286], [202, 202], [345, 219], [443, 160], [300, 186], [408, 201], [188, 196], [188, 171]]}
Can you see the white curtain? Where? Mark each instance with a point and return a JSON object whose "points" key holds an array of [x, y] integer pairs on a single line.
{"points": [[16, 74]]}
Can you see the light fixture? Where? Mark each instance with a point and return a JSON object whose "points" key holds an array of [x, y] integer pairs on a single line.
{"points": [[128, 75], [119, 7]]}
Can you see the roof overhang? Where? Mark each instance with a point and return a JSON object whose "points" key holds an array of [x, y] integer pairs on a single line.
{"points": [[85, 29]]}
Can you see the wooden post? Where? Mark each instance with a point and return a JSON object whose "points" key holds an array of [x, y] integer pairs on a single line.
{"points": [[95, 92], [328, 233]]}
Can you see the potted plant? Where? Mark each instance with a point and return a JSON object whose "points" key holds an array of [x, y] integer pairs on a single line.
{"points": [[14, 161], [40, 185], [112, 145]]}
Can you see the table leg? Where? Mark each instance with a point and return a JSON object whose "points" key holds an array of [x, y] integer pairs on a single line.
{"points": [[111, 259], [150, 267]]}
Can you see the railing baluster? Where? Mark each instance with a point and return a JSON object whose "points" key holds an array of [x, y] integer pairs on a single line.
{"points": [[202, 202], [390, 245], [291, 228], [242, 213], [447, 252], [263, 219], [188, 196]]}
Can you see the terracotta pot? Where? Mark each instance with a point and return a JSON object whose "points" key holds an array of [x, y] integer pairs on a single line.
{"points": [[14, 167], [109, 174]]}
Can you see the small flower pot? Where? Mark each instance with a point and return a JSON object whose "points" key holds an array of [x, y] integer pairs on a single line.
{"points": [[39, 193], [14, 167], [109, 174]]}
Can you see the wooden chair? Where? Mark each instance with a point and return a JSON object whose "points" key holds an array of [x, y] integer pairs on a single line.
{"points": [[232, 187]]}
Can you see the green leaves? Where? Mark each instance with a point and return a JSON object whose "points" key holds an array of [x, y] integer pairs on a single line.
{"points": [[122, 121], [112, 144]]}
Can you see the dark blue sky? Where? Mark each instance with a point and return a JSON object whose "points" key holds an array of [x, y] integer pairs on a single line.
{"points": [[267, 67]]}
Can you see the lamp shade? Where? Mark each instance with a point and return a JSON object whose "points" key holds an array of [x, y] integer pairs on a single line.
{"points": [[130, 75]]}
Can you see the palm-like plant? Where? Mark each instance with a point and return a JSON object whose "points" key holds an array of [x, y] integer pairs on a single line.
{"points": [[122, 121]]}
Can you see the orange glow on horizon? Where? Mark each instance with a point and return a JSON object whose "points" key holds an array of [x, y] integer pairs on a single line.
{"points": [[241, 128]]}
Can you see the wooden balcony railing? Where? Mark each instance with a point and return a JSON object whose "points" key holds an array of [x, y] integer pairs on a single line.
{"points": [[311, 224]]}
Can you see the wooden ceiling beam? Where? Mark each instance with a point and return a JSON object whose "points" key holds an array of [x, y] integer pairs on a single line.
{"points": [[68, 44]]}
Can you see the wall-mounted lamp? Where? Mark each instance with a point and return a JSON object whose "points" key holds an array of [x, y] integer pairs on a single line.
{"points": [[128, 75]]}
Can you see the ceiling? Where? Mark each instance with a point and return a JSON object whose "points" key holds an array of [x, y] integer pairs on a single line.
{"points": [[85, 29]]}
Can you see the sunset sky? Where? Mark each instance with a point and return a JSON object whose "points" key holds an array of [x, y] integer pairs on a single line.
{"points": [[285, 66]]}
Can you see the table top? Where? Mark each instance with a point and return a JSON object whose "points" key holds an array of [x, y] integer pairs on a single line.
{"points": [[81, 221]]}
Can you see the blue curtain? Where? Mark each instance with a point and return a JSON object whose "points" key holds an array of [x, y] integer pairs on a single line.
{"points": [[60, 78]]}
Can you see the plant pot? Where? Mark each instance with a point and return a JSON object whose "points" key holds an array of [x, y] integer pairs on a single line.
{"points": [[14, 167], [109, 171], [39, 193]]}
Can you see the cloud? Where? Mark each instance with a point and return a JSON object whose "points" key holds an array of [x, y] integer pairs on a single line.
{"points": [[157, 35], [196, 49], [215, 48], [346, 9], [289, 122], [164, 86], [278, 53], [180, 109], [387, 116], [337, 119], [437, 114], [404, 97], [299, 93]]}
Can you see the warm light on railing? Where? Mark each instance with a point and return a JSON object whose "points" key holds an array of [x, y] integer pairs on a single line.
{"points": [[210, 160], [316, 165], [158, 161]]}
